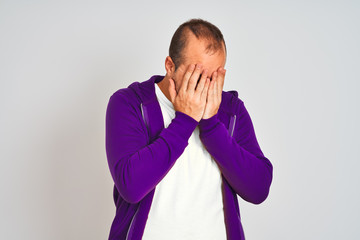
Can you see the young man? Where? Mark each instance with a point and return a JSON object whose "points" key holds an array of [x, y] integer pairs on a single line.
{"points": [[180, 149]]}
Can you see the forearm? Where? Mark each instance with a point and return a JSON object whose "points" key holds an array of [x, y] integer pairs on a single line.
{"points": [[138, 172], [249, 173]]}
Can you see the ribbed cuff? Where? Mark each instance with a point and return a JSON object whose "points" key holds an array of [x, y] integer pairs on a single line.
{"points": [[206, 125], [178, 132], [186, 123], [181, 127]]}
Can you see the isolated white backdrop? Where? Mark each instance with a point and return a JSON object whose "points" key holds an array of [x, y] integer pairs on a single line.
{"points": [[295, 65]]}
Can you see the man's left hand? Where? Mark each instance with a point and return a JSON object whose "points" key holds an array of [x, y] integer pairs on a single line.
{"points": [[213, 98]]}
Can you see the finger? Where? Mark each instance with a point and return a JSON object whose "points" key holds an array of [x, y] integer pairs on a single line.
{"points": [[216, 87], [221, 80], [209, 95], [202, 81], [222, 73], [172, 90], [205, 90], [194, 78], [213, 83], [186, 77]]}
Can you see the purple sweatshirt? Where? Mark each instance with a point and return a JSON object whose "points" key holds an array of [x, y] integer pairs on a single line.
{"points": [[140, 152]]}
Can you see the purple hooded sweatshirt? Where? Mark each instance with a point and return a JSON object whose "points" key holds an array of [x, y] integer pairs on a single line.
{"points": [[140, 152]]}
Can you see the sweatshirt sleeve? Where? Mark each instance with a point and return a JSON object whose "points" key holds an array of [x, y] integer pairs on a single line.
{"points": [[137, 166], [240, 158]]}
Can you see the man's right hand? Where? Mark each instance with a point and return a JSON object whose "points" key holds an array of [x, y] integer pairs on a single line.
{"points": [[189, 100]]}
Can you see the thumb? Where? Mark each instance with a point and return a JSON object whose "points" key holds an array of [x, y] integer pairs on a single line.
{"points": [[172, 90]]}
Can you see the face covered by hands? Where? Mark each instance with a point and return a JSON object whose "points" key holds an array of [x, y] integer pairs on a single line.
{"points": [[198, 94], [199, 68]]}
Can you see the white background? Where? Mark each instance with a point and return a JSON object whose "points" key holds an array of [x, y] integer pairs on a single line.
{"points": [[295, 65]]}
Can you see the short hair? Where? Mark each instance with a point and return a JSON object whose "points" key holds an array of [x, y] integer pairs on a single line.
{"points": [[202, 30]]}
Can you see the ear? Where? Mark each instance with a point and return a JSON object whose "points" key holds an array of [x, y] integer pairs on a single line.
{"points": [[169, 66]]}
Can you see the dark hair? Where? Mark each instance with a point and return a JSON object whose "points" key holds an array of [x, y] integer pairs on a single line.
{"points": [[202, 30]]}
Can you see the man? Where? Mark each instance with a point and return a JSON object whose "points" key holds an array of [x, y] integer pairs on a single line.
{"points": [[180, 148]]}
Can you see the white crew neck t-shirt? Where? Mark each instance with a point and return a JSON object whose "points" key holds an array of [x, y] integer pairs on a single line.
{"points": [[187, 202]]}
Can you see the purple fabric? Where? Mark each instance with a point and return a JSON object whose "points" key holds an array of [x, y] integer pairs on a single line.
{"points": [[140, 152]]}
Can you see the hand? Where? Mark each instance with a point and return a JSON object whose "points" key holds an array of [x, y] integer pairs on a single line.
{"points": [[213, 98], [189, 100]]}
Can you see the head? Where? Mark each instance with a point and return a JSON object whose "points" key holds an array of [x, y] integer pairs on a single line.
{"points": [[195, 41]]}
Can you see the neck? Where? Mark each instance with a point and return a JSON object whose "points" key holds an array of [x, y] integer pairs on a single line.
{"points": [[164, 87]]}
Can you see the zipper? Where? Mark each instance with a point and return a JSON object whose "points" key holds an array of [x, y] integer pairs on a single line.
{"points": [[143, 113], [232, 124], [132, 220], [145, 117]]}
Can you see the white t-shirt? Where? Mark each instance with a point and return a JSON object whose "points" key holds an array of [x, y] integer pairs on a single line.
{"points": [[187, 203]]}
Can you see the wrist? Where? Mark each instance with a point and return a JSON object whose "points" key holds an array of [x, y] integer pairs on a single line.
{"points": [[209, 123]]}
